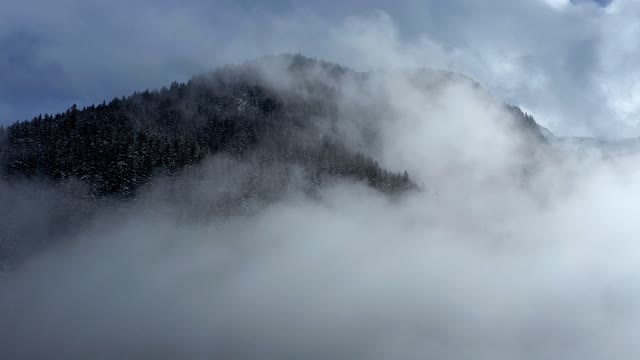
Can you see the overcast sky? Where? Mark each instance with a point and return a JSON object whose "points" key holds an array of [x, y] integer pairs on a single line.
{"points": [[572, 63]]}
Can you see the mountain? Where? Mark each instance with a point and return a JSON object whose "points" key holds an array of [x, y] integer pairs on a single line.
{"points": [[116, 147], [246, 133]]}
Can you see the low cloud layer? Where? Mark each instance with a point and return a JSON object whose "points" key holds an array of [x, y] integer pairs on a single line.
{"points": [[482, 264]]}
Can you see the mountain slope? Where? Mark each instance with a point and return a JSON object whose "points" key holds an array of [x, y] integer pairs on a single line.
{"points": [[224, 143], [117, 147]]}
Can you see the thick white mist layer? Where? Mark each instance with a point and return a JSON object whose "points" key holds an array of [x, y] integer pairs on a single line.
{"points": [[479, 265]]}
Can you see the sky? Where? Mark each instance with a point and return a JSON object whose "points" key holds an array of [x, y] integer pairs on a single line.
{"points": [[568, 62]]}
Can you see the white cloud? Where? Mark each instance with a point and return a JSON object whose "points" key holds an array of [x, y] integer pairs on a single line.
{"points": [[479, 266], [557, 4], [571, 63]]}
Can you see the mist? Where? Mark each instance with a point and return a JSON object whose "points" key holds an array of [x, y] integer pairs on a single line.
{"points": [[481, 262]]}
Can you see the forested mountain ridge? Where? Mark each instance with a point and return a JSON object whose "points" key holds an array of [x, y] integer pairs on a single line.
{"points": [[224, 143], [116, 147]]}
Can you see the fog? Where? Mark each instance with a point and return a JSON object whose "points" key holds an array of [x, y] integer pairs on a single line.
{"points": [[481, 263]]}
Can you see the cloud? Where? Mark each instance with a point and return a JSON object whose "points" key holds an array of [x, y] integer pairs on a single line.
{"points": [[557, 4], [482, 264], [559, 59]]}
